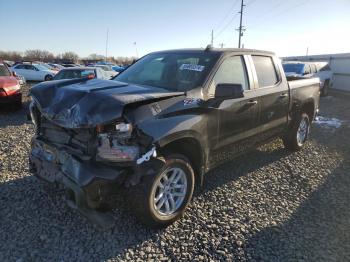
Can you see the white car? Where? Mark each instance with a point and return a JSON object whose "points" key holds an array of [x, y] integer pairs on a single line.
{"points": [[321, 70], [34, 72], [108, 71]]}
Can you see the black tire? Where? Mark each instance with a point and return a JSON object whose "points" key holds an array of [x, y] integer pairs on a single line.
{"points": [[325, 89], [290, 140], [48, 77], [142, 194]]}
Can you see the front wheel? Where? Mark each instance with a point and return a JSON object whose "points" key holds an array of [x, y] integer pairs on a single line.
{"points": [[48, 78], [161, 199], [297, 133]]}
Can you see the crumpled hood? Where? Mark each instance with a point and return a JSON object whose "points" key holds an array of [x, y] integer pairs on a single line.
{"points": [[81, 103]]}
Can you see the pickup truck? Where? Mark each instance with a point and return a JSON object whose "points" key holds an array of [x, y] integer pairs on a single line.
{"points": [[159, 126]]}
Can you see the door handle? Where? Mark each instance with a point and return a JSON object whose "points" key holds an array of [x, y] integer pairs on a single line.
{"points": [[284, 95], [252, 102]]}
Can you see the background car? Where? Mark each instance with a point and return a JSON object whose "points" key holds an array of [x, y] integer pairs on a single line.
{"points": [[80, 72], [118, 68], [108, 70], [34, 72], [310, 69], [56, 67], [10, 90]]}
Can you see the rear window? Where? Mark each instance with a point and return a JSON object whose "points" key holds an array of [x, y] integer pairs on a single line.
{"points": [[265, 70], [4, 71]]}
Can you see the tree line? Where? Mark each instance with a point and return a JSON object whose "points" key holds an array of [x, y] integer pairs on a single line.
{"points": [[46, 56]]}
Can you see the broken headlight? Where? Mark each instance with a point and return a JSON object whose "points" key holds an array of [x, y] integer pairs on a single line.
{"points": [[113, 145]]}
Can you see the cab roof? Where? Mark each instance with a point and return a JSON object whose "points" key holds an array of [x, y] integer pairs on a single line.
{"points": [[218, 50]]}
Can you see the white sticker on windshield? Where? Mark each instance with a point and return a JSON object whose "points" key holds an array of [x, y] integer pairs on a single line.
{"points": [[198, 68]]}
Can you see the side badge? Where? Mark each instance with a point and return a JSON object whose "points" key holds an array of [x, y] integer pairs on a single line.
{"points": [[155, 109], [191, 101]]}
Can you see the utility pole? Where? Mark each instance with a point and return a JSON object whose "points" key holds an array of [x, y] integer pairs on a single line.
{"points": [[212, 38], [107, 44], [307, 51], [241, 29], [137, 52], [222, 45]]}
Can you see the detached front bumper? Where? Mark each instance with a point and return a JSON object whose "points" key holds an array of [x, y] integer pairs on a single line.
{"points": [[87, 183]]}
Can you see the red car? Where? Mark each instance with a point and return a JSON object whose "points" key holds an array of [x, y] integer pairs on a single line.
{"points": [[10, 91]]}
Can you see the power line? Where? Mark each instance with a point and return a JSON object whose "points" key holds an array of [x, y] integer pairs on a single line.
{"points": [[226, 16], [251, 2], [280, 13], [226, 26]]}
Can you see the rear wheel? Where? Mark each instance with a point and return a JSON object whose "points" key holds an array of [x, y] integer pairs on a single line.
{"points": [[48, 77], [298, 133], [162, 199]]}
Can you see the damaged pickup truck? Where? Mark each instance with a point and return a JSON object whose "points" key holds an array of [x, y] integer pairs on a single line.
{"points": [[160, 125]]}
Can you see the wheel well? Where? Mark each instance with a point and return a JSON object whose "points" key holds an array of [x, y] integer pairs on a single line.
{"points": [[309, 109], [188, 147]]}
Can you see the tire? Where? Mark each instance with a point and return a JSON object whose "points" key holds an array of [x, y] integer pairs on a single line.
{"points": [[48, 78], [325, 89], [292, 141], [143, 195]]}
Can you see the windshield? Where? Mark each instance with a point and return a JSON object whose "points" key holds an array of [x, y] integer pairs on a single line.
{"points": [[4, 71], [70, 74], [293, 68], [171, 71]]}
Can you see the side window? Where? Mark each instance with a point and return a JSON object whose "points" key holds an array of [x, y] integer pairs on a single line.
{"points": [[29, 67], [20, 67], [231, 71], [265, 70]]}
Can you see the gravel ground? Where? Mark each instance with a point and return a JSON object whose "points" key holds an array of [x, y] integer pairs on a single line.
{"points": [[269, 205]]}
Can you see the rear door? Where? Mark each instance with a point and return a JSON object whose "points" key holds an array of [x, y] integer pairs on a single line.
{"points": [[272, 93], [20, 70], [238, 118], [32, 72]]}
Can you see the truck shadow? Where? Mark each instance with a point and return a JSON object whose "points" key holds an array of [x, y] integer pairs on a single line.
{"points": [[241, 166]]}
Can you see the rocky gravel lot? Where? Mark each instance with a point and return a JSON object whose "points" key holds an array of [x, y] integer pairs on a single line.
{"points": [[269, 205]]}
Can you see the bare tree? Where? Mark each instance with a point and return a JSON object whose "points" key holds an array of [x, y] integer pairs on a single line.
{"points": [[96, 57], [11, 56], [71, 56], [38, 55]]}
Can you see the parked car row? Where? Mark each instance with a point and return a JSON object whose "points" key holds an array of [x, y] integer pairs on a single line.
{"points": [[37, 71]]}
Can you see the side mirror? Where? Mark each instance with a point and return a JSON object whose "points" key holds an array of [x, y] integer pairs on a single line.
{"points": [[229, 91], [14, 74]]}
